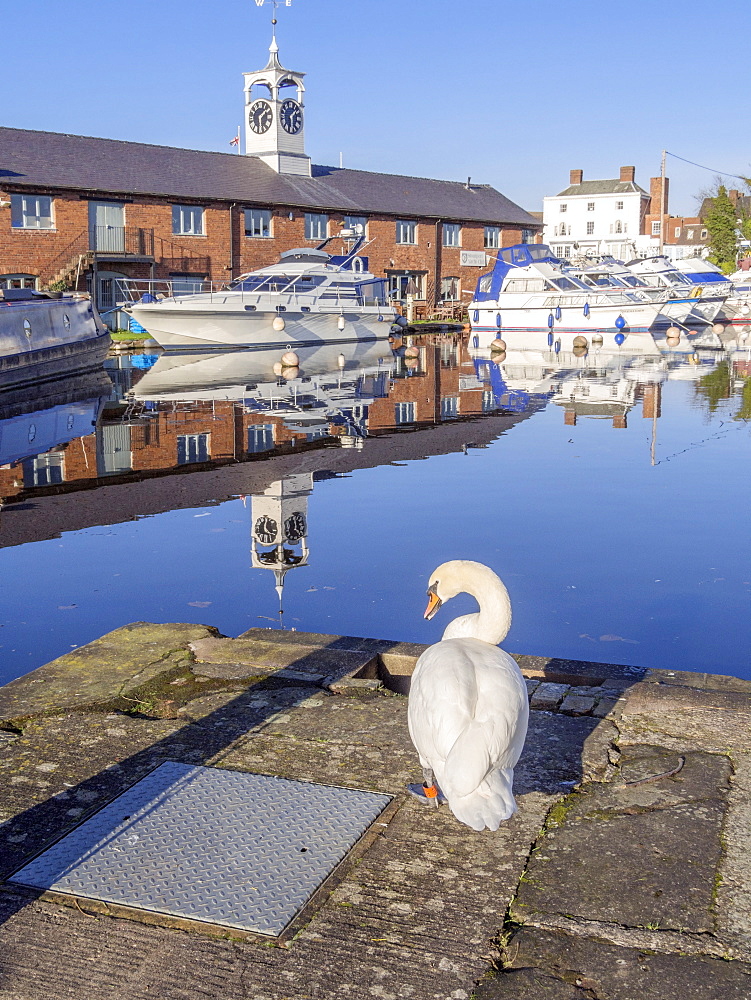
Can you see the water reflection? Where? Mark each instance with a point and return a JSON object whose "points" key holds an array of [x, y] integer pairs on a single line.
{"points": [[167, 433]]}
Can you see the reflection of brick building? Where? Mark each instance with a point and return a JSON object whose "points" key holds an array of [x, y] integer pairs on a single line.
{"points": [[77, 209], [166, 437]]}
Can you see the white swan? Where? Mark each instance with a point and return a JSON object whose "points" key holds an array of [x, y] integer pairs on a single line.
{"points": [[468, 707]]}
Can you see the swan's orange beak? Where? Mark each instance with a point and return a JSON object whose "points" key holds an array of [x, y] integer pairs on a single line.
{"points": [[434, 603]]}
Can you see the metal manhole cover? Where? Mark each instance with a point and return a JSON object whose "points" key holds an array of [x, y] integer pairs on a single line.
{"points": [[202, 843]]}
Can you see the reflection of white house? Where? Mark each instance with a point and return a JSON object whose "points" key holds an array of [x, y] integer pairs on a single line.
{"points": [[598, 217], [279, 527]]}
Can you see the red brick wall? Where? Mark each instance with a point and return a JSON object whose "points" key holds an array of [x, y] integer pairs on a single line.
{"points": [[38, 251]]}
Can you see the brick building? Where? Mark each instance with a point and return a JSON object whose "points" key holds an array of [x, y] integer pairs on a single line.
{"points": [[81, 212]]}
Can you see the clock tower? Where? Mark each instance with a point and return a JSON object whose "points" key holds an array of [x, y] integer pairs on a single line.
{"points": [[279, 527], [275, 116]]}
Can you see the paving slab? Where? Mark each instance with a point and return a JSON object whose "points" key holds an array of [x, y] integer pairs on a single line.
{"points": [[106, 672], [632, 852], [597, 969], [715, 719]]}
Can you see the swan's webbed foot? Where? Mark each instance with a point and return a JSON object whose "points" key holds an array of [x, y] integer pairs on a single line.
{"points": [[428, 792]]}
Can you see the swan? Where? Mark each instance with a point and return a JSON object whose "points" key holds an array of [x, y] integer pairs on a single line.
{"points": [[468, 708]]}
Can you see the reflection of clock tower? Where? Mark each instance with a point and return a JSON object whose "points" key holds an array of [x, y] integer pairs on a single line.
{"points": [[274, 116], [279, 526]]}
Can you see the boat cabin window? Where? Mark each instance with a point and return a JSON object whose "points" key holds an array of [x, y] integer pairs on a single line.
{"points": [[524, 285], [485, 282]]}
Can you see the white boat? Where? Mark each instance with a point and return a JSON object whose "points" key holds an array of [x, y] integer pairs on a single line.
{"points": [[736, 309], [673, 310], [704, 297], [311, 296], [531, 290]]}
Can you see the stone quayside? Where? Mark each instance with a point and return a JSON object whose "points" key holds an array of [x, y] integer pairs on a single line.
{"points": [[624, 874]]}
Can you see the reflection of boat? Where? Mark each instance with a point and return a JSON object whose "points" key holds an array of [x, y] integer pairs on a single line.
{"points": [[47, 416], [530, 289], [234, 374], [47, 335], [310, 296]]}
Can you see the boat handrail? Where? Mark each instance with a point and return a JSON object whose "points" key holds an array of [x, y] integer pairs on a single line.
{"points": [[131, 291]]}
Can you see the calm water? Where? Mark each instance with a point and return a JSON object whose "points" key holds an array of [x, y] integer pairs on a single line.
{"points": [[609, 492]]}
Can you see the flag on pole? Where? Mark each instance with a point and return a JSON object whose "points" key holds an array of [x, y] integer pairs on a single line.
{"points": [[235, 141]]}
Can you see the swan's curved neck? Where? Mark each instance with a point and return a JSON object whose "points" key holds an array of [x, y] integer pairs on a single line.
{"points": [[494, 617]]}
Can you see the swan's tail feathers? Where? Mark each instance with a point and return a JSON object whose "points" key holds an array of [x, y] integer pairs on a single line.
{"points": [[490, 804]]}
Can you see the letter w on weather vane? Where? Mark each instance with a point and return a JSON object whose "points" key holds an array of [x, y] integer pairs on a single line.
{"points": [[287, 3]]}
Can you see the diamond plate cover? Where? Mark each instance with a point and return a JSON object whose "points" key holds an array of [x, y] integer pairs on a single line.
{"points": [[202, 843]]}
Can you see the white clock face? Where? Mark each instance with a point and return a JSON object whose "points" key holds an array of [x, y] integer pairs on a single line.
{"points": [[290, 116], [260, 116]]}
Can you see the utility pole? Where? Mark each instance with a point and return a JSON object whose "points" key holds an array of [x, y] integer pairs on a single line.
{"points": [[662, 202]]}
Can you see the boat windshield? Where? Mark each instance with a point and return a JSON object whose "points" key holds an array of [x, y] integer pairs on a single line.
{"points": [[566, 284], [301, 284]]}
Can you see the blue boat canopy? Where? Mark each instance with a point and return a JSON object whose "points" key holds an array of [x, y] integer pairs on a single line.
{"points": [[521, 255]]}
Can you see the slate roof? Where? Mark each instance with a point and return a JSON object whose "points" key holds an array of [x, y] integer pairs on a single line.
{"points": [[601, 187], [51, 160]]}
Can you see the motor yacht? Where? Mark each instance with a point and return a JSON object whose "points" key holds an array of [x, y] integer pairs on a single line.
{"points": [[530, 289], [310, 296]]}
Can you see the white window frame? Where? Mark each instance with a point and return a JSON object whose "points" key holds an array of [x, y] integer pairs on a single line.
{"points": [[18, 280], [452, 234], [527, 236], [677, 233], [656, 227], [451, 283], [704, 234], [492, 238], [406, 232], [185, 219], [563, 207], [31, 211], [404, 412], [257, 223], [590, 229], [350, 221], [198, 445], [316, 226], [590, 206], [619, 206]]}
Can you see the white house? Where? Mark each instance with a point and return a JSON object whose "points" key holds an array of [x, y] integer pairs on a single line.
{"points": [[599, 217]]}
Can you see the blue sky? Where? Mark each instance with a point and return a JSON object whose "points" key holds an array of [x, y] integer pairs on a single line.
{"points": [[514, 95]]}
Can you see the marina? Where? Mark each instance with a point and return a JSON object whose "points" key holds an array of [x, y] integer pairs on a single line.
{"points": [[172, 507], [373, 508]]}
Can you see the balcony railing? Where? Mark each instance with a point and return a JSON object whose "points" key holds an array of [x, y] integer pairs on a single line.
{"points": [[126, 241]]}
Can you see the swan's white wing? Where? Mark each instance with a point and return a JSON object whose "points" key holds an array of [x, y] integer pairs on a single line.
{"points": [[467, 712]]}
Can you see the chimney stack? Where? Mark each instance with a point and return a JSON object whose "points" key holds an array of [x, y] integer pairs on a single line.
{"points": [[576, 176], [628, 174], [655, 186]]}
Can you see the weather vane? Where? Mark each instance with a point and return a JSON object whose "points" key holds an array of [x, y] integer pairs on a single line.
{"points": [[276, 3]]}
